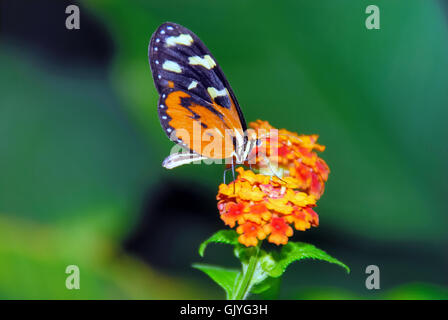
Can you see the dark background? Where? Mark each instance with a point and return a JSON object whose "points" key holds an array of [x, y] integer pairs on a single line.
{"points": [[81, 147]]}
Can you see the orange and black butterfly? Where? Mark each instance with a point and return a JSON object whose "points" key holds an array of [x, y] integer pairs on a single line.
{"points": [[197, 108]]}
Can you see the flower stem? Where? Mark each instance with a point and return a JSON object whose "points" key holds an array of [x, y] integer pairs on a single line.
{"points": [[244, 285]]}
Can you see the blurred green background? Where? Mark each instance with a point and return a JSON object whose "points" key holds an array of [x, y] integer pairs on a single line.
{"points": [[81, 146]]}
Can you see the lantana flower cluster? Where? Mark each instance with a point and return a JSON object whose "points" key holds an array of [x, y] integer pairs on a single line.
{"points": [[264, 206]]}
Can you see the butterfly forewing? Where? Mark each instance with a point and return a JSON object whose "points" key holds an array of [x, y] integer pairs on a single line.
{"points": [[194, 93]]}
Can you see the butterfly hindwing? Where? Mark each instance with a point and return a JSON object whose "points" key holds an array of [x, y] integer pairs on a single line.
{"points": [[192, 88]]}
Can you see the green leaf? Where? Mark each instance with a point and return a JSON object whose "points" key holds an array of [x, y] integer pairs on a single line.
{"points": [[222, 236], [243, 253], [294, 251], [225, 278], [265, 285], [267, 289]]}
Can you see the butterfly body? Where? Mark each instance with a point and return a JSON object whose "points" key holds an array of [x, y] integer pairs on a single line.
{"points": [[197, 107]]}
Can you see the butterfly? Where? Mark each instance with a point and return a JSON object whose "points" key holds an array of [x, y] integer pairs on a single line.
{"points": [[197, 107]]}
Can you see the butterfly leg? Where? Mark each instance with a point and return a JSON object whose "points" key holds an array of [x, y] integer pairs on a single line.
{"points": [[233, 175], [224, 175]]}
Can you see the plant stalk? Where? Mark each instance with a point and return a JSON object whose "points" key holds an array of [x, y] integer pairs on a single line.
{"points": [[244, 285]]}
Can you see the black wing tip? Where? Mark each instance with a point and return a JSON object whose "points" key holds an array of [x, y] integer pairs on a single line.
{"points": [[170, 24], [157, 32], [165, 25]]}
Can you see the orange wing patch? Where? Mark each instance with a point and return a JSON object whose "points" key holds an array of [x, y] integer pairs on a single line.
{"points": [[199, 128], [230, 116]]}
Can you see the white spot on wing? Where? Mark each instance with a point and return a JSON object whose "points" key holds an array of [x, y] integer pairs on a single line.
{"points": [[213, 92], [206, 61], [171, 66], [182, 39], [192, 85]]}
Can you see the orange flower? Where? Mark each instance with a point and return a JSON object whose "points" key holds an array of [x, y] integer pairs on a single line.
{"points": [[294, 154], [265, 206], [233, 212], [279, 231], [303, 219], [250, 232]]}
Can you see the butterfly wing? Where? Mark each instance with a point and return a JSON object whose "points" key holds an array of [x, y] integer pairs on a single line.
{"points": [[197, 107]]}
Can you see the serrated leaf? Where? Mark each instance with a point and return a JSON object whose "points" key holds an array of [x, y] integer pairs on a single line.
{"points": [[294, 251], [222, 236], [225, 278]]}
